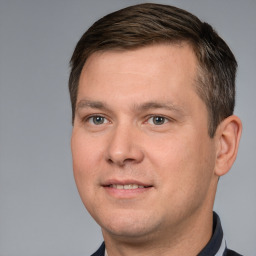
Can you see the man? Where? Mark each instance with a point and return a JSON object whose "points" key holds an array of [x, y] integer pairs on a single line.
{"points": [[152, 91]]}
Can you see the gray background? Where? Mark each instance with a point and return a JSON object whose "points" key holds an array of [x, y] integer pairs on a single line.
{"points": [[40, 210]]}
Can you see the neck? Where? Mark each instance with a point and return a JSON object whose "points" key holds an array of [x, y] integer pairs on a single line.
{"points": [[187, 239]]}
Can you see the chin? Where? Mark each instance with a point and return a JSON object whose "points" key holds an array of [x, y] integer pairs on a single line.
{"points": [[129, 227]]}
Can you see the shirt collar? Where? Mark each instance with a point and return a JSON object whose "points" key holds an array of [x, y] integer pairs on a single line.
{"points": [[217, 244]]}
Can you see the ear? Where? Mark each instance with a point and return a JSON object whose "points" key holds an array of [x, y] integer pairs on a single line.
{"points": [[227, 137]]}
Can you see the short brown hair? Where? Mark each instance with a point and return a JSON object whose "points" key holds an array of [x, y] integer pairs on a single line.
{"points": [[146, 24]]}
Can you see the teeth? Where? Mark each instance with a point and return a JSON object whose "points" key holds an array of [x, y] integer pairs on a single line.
{"points": [[131, 186], [127, 186]]}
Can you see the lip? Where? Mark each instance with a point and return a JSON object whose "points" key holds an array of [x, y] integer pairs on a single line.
{"points": [[125, 182], [126, 193]]}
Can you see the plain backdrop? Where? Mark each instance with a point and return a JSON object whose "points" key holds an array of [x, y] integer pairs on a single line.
{"points": [[40, 210]]}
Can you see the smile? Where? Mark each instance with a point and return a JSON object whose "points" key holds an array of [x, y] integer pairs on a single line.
{"points": [[126, 189], [127, 186]]}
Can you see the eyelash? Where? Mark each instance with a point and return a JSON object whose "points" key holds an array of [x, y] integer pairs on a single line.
{"points": [[163, 118], [87, 119]]}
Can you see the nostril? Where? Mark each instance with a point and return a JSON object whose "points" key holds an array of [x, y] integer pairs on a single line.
{"points": [[120, 161], [110, 161], [128, 160]]}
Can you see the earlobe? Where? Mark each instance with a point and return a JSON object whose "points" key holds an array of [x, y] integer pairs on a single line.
{"points": [[228, 136]]}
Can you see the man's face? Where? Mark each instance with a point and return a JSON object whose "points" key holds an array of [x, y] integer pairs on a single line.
{"points": [[143, 161]]}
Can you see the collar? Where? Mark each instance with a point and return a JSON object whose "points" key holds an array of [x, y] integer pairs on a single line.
{"points": [[217, 245]]}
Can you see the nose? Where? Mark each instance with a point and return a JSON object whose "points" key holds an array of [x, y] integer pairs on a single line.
{"points": [[124, 147]]}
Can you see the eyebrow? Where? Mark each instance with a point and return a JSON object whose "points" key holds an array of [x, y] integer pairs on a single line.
{"points": [[159, 105], [91, 104], [86, 103]]}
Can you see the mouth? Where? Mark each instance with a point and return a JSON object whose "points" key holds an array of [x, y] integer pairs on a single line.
{"points": [[126, 189], [127, 186]]}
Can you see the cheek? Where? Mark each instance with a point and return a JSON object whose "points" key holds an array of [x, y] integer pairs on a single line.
{"points": [[84, 162], [170, 153], [184, 163], [86, 168]]}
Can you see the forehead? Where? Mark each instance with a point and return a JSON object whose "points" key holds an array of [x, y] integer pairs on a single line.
{"points": [[163, 52], [164, 70]]}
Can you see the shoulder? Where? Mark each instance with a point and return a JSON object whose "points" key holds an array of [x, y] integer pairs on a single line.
{"points": [[232, 253]]}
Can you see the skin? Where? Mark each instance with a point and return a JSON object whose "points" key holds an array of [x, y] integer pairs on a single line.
{"points": [[140, 121]]}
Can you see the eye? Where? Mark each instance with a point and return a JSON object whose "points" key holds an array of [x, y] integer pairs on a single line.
{"points": [[97, 120], [157, 120]]}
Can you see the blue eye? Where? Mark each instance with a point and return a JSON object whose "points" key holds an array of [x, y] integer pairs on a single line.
{"points": [[97, 120], [157, 120]]}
